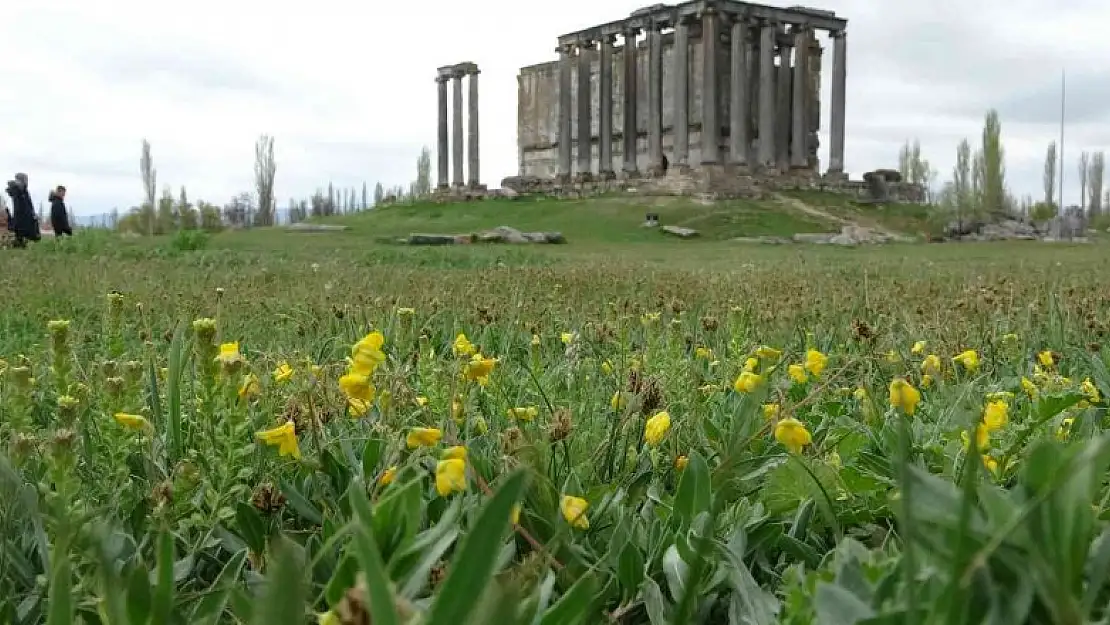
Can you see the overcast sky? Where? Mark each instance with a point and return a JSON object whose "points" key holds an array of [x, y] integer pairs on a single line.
{"points": [[347, 88]]}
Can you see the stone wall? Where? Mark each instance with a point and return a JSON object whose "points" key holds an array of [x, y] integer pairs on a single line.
{"points": [[718, 182], [538, 107]]}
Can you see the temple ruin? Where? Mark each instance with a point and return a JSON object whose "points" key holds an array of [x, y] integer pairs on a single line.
{"points": [[709, 89], [449, 149]]}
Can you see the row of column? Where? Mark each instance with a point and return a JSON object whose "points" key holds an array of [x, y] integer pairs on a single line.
{"points": [[450, 144], [791, 146]]}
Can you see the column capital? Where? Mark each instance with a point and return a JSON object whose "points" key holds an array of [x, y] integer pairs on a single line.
{"points": [[838, 34], [631, 30], [608, 40], [585, 44]]}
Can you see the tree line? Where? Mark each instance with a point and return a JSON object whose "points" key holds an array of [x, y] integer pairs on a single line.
{"points": [[170, 212], [977, 186]]}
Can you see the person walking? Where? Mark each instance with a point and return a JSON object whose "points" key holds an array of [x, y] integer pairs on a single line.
{"points": [[25, 223], [59, 217]]}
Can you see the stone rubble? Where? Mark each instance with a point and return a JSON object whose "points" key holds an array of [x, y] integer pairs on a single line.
{"points": [[500, 234]]}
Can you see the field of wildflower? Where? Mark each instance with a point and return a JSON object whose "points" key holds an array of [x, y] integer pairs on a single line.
{"points": [[718, 434]]}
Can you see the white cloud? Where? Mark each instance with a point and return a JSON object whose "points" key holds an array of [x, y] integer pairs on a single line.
{"points": [[347, 87]]}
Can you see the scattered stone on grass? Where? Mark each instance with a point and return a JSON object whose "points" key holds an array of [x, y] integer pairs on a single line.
{"points": [[307, 227], [500, 234], [681, 232]]}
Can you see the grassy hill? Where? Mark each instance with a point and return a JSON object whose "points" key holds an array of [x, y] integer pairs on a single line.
{"points": [[617, 219]]}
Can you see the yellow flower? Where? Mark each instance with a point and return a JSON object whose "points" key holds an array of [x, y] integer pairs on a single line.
{"points": [[931, 365], [574, 511], [421, 401], [463, 347], [703, 353], [423, 437], [357, 386], [996, 414], [860, 393], [1045, 359], [514, 514], [456, 452], [656, 428], [480, 425], [535, 340], [131, 421], [607, 367], [904, 396], [387, 478], [982, 437], [1010, 338], [1029, 388], [619, 401], [229, 355], [406, 312], [918, 348], [358, 407], [1091, 391], [893, 357], [969, 359], [568, 337], [681, 462], [450, 476], [768, 353], [283, 373], [284, 437], [748, 382], [528, 413], [751, 365], [250, 387], [328, 618], [367, 354], [991, 464], [926, 381], [1064, 431], [816, 362], [771, 411], [797, 373], [792, 434], [479, 368]]}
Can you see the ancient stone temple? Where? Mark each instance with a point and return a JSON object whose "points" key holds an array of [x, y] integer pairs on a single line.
{"points": [[730, 88], [449, 149]]}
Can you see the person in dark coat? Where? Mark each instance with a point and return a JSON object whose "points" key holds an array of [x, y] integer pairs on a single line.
{"points": [[59, 217], [25, 223]]}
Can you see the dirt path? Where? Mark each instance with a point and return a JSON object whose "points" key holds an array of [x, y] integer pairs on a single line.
{"points": [[820, 213]]}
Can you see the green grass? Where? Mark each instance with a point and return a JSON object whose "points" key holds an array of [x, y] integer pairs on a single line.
{"points": [[873, 513]]}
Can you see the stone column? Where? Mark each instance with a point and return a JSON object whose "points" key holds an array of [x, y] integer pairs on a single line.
{"points": [[585, 132], [443, 147], [630, 130], [472, 143], [680, 127], [839, 88], [605, 110], [564, 112], [710, 121], [739, 109], [782, 106], [767, 94], [457, 136], [799, 157], [655, 100]]}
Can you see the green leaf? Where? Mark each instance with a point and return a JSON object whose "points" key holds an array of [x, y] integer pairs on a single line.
{"points": [[675, 570], [574, 606], [284, 597], [344, 577], [371, 455], [163, 590], [250, 526], [60, 610], [655, 603], [211, 607], [175, 368], [837, 606], [694, 492], [473, 565], [138, 596], [630, 567], [382, 608], [301, 504]]}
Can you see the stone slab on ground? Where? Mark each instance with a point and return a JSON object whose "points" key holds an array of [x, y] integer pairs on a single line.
{"points": [[681, 232], [306, 227], [500, 234]]}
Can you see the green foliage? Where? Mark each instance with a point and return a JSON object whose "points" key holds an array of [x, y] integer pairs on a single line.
{"points": [[193, 517], [189, 240]]}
